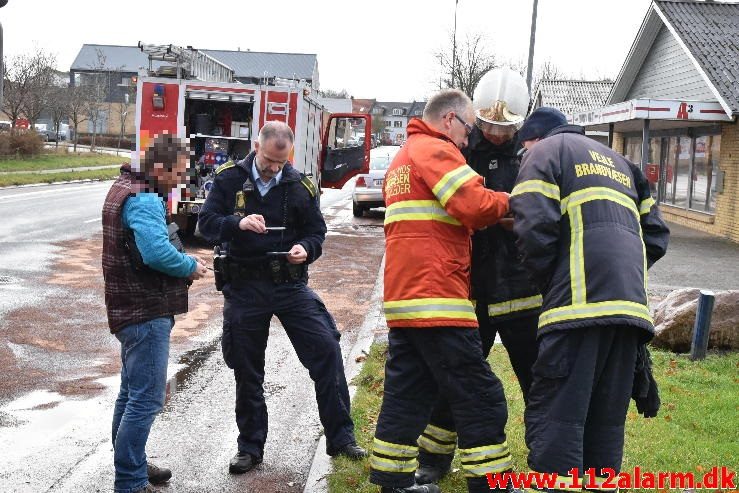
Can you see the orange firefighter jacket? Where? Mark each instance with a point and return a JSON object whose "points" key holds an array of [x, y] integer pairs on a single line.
{"points": [[434, 201]]}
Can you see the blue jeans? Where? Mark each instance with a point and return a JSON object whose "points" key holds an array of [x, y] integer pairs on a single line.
{"points": [[144, 355]]}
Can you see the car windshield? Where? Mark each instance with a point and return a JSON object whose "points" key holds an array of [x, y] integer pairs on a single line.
{"points": [[380, 162]]}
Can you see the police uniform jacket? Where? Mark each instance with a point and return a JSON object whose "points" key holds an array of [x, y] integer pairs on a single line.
{"points": [[434, 201], [498, 277], [292, 203], [588, 229]]}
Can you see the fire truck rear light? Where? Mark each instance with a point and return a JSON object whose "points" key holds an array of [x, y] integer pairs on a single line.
{"points": [[361, 182]]}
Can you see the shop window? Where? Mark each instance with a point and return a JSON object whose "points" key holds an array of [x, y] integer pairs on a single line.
{"points": [[677, 161], [705, 166], [633, 150]]}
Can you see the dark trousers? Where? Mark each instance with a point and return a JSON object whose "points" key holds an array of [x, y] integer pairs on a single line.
{"points": [[579, 398], [423, 363], [519, 338], [248, 309]]}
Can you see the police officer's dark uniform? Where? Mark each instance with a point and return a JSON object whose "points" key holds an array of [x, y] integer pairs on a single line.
{"points": [[507, 302], [587, 229], [257, 286]]}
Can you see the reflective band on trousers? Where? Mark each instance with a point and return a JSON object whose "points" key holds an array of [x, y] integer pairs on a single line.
{"points": [[598, 309], [450, 182], [429, 308], [479, 461], [418, 210], [437, 440], [393, 457], [537, 186], [517, 305]]}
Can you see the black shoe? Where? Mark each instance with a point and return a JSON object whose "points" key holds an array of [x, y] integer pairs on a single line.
{"points": [[426, 474], [157, 475], [243, 462], [351, 450], [416, 488]]}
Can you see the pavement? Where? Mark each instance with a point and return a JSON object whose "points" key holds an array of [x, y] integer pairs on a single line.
{"points": [[695, 260]]}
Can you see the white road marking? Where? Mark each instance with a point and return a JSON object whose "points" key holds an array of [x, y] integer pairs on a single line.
{"points": [[92, 220]]}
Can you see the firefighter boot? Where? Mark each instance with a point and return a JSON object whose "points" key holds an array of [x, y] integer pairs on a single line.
{"points": [[416, 488], [426, 473]]}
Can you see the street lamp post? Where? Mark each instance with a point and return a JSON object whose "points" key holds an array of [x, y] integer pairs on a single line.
{"points": [[532, 40], [454, 42], [2, 65]]}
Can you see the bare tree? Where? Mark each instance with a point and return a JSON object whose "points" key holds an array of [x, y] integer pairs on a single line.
{"points": [[331, 93], [123, 108], [378, 123], [98, 83], [78, 106], [473, 59], [43, 73], [58, 107], [19, 72]]}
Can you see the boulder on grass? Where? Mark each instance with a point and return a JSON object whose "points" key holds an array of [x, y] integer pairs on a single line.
{"points": [[675, 317]]}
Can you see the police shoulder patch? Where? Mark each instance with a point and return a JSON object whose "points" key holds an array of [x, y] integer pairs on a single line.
{"points": [[225, 166], [308, 183]]}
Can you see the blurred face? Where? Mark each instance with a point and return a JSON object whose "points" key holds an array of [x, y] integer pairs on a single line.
{"points": [[497, 134], [459, 126], [178, 174], [271, 158]]}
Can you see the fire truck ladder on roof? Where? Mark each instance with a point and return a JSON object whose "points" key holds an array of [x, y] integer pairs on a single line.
{"points": [[189, 63]]}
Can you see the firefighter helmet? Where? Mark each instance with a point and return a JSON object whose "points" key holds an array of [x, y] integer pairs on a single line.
{"points": [[501, 98]]}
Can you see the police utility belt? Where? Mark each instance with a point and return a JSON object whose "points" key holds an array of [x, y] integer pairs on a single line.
{"points": [[226, 269]]}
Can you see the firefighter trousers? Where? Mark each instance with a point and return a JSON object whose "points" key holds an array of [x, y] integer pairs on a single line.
{"points": [[438, 441], [579, 398], [423, 363]]}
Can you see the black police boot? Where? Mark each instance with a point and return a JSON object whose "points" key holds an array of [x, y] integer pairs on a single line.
{"points": [[243, 462], [350, 450], [157, 475], [426, 473], [416, 488]]}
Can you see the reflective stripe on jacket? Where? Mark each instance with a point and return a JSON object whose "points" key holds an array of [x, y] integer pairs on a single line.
{"points": [[433, 203], [588, 229]]}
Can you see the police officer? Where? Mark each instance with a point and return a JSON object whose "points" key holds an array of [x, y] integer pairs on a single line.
{"points": [[266, 274], [587, 229], [507, 302]]}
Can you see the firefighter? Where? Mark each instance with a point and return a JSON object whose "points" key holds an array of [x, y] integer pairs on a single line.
{"points": [[261, 192], [434, 201], [507, 302], [588, 230]]}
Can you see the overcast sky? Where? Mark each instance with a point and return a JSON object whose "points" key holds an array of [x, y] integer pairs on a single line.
{"points": [[374, 49]]}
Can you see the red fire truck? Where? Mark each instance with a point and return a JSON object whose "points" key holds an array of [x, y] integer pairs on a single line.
{"points": [[197, 98]]}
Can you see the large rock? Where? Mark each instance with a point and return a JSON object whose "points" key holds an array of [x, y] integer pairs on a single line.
{"points": [[675, 317]]}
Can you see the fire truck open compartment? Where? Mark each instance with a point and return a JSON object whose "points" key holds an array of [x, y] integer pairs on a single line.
{"points": [[225, 123]]}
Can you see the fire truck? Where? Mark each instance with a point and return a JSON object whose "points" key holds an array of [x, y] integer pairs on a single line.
{"points": [[197, 98]]}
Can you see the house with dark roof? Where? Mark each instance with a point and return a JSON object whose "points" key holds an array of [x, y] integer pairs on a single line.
{"points": [[673, 109], [571, 96], [395, 116]]}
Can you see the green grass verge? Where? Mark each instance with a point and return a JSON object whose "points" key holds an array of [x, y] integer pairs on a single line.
{"points": [[696, 428], [29, 178], [60, 160]]}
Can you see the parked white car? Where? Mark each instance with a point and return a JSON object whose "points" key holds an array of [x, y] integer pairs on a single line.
{"points": [[368, 188]]}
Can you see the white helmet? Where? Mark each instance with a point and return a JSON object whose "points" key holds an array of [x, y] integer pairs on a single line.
{"points": [[501, 98]]}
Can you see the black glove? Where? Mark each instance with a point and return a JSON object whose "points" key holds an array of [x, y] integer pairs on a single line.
{"points": [[644, 391]]}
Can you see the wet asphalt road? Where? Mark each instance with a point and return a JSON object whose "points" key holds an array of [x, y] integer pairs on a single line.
{"points": [[55, 443]]}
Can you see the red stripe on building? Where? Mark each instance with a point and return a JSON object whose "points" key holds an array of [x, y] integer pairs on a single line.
{"points": [[616, 112], [647, 108], [715, 112]]}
